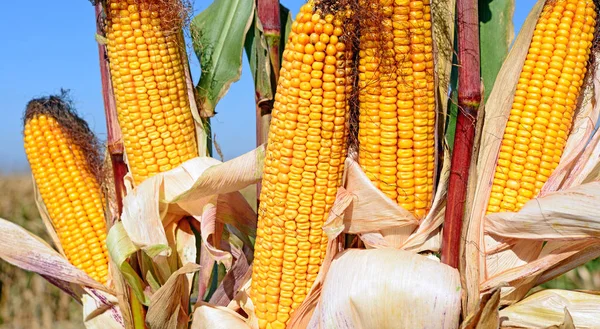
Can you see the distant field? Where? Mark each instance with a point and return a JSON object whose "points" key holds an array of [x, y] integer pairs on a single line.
{"points": [[28, 302]]}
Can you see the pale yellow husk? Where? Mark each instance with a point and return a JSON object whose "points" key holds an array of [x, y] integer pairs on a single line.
{"points": [[387, 288], [554, 307]]}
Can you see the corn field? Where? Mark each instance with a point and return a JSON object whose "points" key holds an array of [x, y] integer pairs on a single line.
{"points": [[407, 173]]}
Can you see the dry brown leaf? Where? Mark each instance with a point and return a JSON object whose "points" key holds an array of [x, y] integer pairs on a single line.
{"points": [[169, 305], [486, 315], [232, 282], [554, 309], [388, 288]]}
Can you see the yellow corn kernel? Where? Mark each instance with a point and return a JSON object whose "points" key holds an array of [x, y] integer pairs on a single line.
{"points": [[146, 60], [65, 164], [396, 101], [544, 103], [303, 164]]}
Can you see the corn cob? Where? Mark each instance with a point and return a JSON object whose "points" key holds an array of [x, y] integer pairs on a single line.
{"points": [[544, 102], [304, 164], [57, 144], [148, 78], [396, 101]]}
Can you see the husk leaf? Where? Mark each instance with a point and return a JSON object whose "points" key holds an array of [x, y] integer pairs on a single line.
{"points": [[208, 316], [387, 288], [21, 248], [120, 249], [169, 305], [553, 309], [101, 311], [563, 215]]}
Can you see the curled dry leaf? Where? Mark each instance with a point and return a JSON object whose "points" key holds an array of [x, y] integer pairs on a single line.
{"points": [[169, 305], [553, 309], [27, 251], [202, 188], [185, 190], [388, 288]]}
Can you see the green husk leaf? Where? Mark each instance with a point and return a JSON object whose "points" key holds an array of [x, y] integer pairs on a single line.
{"points": [[218, 35], [120, 249]]}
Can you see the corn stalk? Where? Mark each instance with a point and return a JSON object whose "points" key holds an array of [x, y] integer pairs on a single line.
{"points": [[469, 99]]}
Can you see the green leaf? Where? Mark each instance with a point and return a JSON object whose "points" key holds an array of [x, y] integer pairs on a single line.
{"points": [[218, 35], [258, 58], [120, 248], [496, 33]]}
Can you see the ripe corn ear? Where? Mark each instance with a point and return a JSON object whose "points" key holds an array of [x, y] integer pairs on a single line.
{"points": [[396, 100], [68, 186], [544, 102], [147, 69], [304, 163]]}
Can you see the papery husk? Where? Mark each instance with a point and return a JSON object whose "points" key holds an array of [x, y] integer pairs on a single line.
{"points": [[192, 189], [564, 215], [487, 256], [185, 190], [101, 311], [169, 305], [21, 248], [27, 251], [207, 316], [553, 309], [387, 288], [486, 315], [412, 237]]}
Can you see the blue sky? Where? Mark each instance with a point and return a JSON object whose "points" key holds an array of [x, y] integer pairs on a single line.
{"points": [[48, 45]]}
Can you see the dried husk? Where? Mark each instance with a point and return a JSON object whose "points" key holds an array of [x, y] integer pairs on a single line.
{"points": [[493, 252], [27, 251], [388, 288], [169, 305], [553, 309], [207, 316], [101, 311]]}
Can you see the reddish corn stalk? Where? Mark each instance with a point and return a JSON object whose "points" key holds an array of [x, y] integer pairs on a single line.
{"points": [[268, 14], [115, 139], [469, 98]]}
